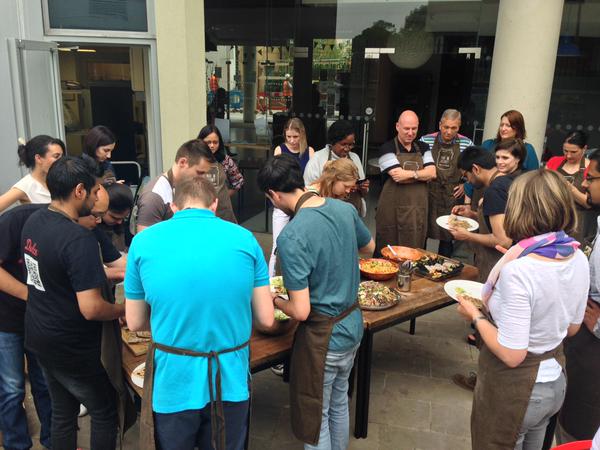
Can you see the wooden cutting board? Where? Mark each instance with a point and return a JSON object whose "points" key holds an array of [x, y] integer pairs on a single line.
{"points": [[137, 349]]}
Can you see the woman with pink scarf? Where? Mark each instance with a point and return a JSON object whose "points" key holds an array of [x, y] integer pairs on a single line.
{"points": [[534, 297]]}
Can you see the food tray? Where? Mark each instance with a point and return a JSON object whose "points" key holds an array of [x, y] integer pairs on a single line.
{"points": [[377, 276], [383, 307], [422, 272]]}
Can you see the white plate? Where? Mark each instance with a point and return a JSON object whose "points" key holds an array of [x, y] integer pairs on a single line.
{"points": [[472, 288], [284, 296], [442, 221], [137, 380]]}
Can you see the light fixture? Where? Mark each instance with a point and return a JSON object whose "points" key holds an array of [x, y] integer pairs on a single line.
{"points": [[86, 50]]}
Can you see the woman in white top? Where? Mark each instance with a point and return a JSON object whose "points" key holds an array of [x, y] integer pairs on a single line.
{"points": [[37, 155], [536, 296], [295, 145]]}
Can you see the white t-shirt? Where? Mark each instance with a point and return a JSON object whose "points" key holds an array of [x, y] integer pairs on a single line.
{"points": [[35, 191], [596, 441], [535, 301]]}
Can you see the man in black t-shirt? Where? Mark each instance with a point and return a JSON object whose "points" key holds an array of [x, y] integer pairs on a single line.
{"points": [[65, 307], [479, 167], [13, 297]]}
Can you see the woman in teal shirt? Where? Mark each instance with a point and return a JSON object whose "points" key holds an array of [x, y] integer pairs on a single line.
{"points": [[512, 126]]}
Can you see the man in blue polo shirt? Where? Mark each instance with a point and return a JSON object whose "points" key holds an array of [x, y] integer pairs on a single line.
{"points": [[204, 280]]}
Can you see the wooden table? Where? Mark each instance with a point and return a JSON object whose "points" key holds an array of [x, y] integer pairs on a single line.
{"points": [[265, 351], [425, 297]]}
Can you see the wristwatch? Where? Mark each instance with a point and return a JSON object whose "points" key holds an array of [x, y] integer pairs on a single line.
{"points": [[477, 319], [416, 175]]}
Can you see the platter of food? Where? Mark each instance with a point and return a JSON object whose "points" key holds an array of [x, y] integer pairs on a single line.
{"points": [[378, 268], [469, 290], [136, 341], [401, 253], [452, 221], [137, 376], [374, 296], [437, 267], [280, 316], [277, 287]]}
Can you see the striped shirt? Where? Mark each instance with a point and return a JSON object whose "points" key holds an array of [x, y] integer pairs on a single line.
{"points": [[464, 141]]}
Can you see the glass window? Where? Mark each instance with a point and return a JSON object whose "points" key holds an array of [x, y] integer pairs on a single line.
{"points": [[116, 15]]}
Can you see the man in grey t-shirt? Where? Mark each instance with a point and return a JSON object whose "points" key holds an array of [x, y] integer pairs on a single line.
{"points": [[193, 159]]}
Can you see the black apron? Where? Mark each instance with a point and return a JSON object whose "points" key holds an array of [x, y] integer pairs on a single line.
{"points": [[580, 413], [401, 217], [441, 190]]}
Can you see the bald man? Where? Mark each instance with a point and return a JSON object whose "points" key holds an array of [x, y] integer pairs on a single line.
{"points": [[402, 209]]}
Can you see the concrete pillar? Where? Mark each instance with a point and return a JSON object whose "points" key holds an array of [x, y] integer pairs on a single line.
{"points": [[525, 51], [181, 73], [249, 77]]}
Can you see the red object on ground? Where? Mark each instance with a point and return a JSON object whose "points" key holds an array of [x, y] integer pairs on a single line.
{"points": [[577, 445]]}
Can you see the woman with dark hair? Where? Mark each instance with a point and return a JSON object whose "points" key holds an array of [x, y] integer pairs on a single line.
{"points": [[98, 144], [510, 157], [512, 126], [38, 154], [341, 139], [533, 298], [572, 166], [212, 137]]}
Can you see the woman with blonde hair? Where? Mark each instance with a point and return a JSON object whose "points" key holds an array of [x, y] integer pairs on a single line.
{"points": [[295, 145], [338, 179], [536, 296]]}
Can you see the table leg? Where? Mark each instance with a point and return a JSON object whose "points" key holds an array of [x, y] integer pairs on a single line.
{"points": [[363, 385], [413, 325]]}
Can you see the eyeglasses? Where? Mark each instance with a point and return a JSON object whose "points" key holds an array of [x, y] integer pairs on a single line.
{"points": [[590, 179], [348, 146]]}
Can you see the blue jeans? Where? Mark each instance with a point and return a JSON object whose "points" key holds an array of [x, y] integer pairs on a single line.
{"points": [[335, 422], [68, 389], [13, 421], [186, 430]]}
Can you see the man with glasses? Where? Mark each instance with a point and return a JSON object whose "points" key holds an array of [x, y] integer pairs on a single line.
{"points": [[580, 415], [119, 208], [341, 140]]}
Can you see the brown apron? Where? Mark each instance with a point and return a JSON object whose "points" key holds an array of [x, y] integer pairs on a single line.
{"points": [[307, 372], [501, 398], [580, 413], [224, 208], [401, 217], [485, 257], [587, 219], [111, 357], [441, 190], [217, 416], [355, 199]]}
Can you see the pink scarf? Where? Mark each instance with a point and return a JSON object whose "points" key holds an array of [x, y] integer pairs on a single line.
{"points": [[554, 245]]}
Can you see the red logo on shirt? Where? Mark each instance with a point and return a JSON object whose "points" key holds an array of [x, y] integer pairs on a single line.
{"points": [[31, 247]]}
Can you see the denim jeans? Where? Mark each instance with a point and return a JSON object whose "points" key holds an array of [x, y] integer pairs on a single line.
{"points": [[13, 421], [545, 401], [335, 421], [187, 429], [68, 390]]}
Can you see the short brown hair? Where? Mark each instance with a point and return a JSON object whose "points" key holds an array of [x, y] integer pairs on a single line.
{"points": [[539, 202], [195, 189], [517, 122], [194, 151], [515, 147], [342, 169]]}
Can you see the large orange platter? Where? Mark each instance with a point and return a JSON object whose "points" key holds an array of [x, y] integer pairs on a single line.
{"points": [[404, 253]]}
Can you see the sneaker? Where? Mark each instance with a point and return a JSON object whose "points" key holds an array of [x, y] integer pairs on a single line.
{"points": [[277, 370], [465, 382], [82, 411]]}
